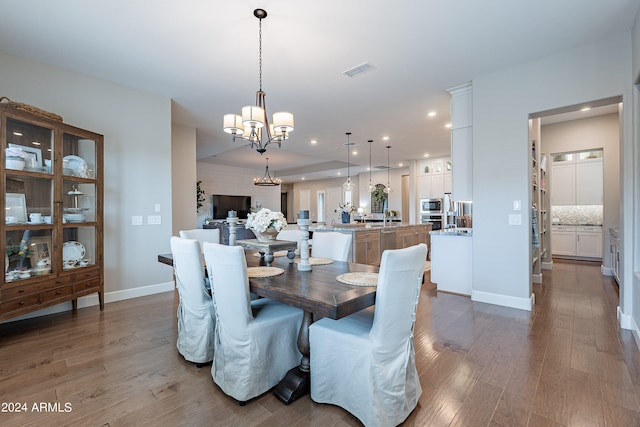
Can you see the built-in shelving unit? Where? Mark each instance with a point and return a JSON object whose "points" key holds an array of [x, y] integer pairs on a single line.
{"points": [[539, 212]]}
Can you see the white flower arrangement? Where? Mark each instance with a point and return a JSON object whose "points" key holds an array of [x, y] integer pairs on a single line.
{"points": [[15, 152], [264, 219], [345, 208]]}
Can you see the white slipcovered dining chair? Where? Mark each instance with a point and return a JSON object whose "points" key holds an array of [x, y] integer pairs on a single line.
{"points": [[291, 234], [256, 341], [196, 317], [211, 235], [365, 362], [331, 244]]}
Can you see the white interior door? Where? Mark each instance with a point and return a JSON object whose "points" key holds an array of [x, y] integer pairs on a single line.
{"points": [[321, 206]]}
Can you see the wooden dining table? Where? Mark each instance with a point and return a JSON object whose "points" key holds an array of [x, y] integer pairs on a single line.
{"points": [[318, 294]]}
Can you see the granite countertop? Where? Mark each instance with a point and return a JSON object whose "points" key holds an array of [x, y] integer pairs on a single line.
{"points": [[466, 232], [359, 226], [575, 225]]}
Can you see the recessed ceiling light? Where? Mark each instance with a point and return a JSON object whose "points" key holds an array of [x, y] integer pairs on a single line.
{"points": [[339, 173], [448, 125], [17, 134], [399, 164], [426, 155], [432, 114], [354, 152], [385, 138], [586, 109], [368, 168], [303, 178], [313, 141]]}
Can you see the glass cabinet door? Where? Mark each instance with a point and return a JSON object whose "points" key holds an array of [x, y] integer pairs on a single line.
{"points": [[29, 195], [79, 202]]}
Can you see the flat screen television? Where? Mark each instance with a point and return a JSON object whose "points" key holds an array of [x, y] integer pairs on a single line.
{"points": [[222, 204]]}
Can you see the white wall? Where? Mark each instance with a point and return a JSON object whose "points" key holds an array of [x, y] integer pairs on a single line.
{"points": [[592, 133], [380, 177], [361, 195], [634, 260], [636, 49], [228, 180], [502, 102], [322, 185], [137, 133], [183, 178]]}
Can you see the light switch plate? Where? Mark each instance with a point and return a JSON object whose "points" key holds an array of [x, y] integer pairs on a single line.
{"points": [[154, 219], [136, 220], [517, 205]]}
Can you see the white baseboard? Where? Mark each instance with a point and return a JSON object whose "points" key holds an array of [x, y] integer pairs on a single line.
{"points": [[91, 300], [536, 278], [606, 271], [503, 300], [627, 322], [547, 265]]}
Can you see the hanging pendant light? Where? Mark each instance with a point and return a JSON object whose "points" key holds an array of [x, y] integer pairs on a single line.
{"points": [[371, 187], [348, 185], [266, 180], [388, 188], [253, 125]]}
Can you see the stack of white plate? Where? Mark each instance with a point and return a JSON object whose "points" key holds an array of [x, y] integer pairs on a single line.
{"points": [[75, 217]]}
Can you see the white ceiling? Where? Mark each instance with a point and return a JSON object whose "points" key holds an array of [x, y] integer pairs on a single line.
{"points": [[203, 54]]}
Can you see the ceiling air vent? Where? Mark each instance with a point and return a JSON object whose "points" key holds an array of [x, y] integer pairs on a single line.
{"points": [[358, 69]]}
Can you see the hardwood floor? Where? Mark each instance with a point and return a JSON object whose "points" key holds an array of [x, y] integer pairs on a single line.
{"points": [[565, 363]]}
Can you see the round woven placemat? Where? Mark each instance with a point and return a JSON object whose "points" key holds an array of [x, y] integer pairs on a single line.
{"points": [[254, 272], [359, 278], [316, 261]]}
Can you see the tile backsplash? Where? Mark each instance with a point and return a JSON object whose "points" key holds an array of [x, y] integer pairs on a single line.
{"points": [[577, 215]]}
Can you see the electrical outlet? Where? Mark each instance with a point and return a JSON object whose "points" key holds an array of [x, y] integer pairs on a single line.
{"points": [[154, 219]]}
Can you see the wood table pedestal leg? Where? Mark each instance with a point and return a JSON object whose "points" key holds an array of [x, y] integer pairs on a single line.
{"points": [[297, 381]]}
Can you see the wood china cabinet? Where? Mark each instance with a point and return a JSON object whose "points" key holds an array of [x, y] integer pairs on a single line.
{"points": [[53, 203]]}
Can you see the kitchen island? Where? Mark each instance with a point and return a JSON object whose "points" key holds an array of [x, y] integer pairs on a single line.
{"points": [[451, 260], [370, 240]]}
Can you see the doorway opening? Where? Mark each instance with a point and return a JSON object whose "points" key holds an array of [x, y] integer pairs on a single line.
{"points": [[575, 183]]}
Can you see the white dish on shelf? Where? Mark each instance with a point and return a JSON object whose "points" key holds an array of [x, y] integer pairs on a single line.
{"points": [[72, 251], [75, 217], [77, 165]]}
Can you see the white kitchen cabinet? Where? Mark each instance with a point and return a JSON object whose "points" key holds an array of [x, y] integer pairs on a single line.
{"points": [[577, 181], [462, 142], [434, 178], [563, 184], [563, 240], [424, 186], [589, 183], [589, 242], [451, 260], [577, 241], [447, 183]]}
